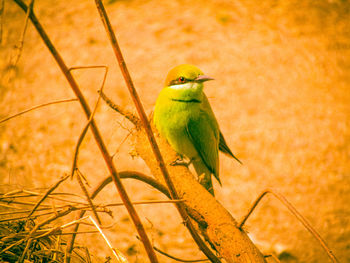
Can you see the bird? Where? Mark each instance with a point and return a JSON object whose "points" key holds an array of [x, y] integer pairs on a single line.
{"points": [[183, 116]]}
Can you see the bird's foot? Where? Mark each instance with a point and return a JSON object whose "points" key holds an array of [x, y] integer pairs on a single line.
{"points": [[181, 162], [207, 183]]}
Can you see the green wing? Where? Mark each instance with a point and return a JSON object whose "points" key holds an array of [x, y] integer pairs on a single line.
{"points": [[222, 142], [203, 133], [225, 149]]}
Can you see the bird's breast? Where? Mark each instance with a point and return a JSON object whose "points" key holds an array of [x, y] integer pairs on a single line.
{"points": [[171, 119]]}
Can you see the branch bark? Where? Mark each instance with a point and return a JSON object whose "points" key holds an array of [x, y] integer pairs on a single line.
{"points": [[222, 230], [148, 131]]}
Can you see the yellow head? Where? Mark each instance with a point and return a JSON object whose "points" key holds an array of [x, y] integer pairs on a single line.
{"points": [[184, 73]]}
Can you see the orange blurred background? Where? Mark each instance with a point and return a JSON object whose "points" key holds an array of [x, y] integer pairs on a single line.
{"points": [[281, 95]]}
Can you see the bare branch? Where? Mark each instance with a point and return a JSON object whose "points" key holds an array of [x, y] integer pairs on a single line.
{"points": [[119, 256], [134, 175], [29, 237], [129, 115], [126, 174], [85, 129], [47, 194], [11, 246], [19, 47], [96, 133], [37, 107], [146, 125], [176, 258], [31, 194], [179, 259], [81, 138], [217, 225], [82, 186], [2, 8], [297, 215]]}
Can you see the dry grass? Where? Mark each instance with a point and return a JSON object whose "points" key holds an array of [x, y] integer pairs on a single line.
{"points": [[281, 96]]}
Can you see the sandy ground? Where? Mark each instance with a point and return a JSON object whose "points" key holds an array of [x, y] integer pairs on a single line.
{"points": [[281, 96]]}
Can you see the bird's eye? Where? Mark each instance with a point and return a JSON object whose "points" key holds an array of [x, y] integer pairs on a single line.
{"points": [[181, 79]]}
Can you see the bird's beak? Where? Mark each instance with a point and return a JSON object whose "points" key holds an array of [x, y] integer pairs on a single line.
{"points": [[202, 78]]}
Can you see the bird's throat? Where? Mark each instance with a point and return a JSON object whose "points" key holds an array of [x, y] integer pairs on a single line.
{"points": [[187, 101]]}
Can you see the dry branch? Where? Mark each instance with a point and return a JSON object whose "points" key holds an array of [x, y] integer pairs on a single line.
{"points": [[222, 230], [36, 107], [297, 215], [2, 7], [95, 131], [147, 128], [126, 174], [47, 194], [80, 140]]}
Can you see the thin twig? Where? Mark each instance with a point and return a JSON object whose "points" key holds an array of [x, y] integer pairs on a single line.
{"points": [[146, 125], [77, 147], [298, 216], [85, 129], [81, 232], [81, 138], [47, 194], [2, 8], [91, 67], [138, 176], [37, 107], [19, 47], [82, 186], [124, 174], [31, 194], [119, 256], [19, 202], [73, 222], [11, 246], [72, 208], [29, 238], [178, 259], [120, 145], [85, 206], [96, 133], [127, 114], [58, 248]]}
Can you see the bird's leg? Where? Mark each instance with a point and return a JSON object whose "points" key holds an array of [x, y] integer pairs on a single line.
{"points": [[180, 161]]}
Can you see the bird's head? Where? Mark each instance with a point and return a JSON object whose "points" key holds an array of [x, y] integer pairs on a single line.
{"points": [[185, 73], [185, 82]]}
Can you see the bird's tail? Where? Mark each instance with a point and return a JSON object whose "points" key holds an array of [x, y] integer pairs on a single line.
{"points": [[204, 175]]}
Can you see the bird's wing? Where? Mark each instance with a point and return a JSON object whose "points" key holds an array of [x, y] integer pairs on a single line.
{"points": [[225, 149], [222, 143], [204, 137]]}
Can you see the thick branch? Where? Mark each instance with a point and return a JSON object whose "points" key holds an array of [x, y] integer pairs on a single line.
{"points": [[221, 229], [147, 127]]}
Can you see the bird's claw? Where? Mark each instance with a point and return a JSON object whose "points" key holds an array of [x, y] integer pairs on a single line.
{"points": [[180, 161]]}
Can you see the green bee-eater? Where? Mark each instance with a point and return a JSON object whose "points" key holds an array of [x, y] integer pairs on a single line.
{"points": [[183, 116]]}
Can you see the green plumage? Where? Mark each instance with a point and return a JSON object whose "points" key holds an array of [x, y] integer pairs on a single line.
{"points": [[184, 117]]}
